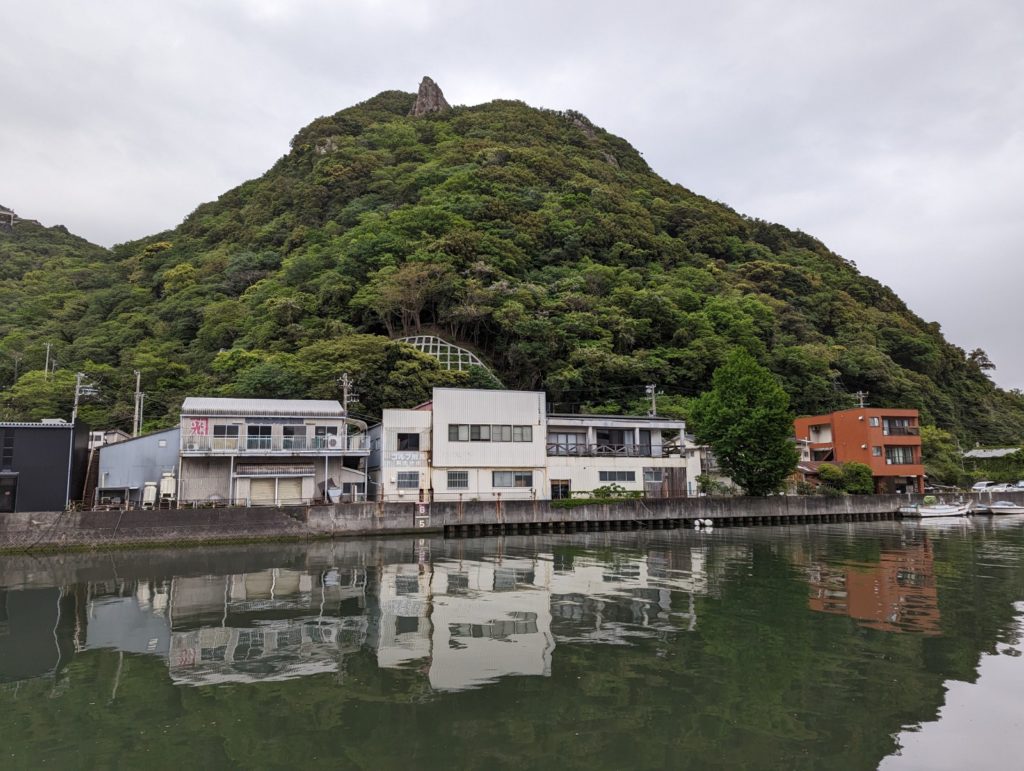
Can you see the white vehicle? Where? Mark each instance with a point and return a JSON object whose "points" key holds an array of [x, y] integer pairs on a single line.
{"points": [[981, 487]]}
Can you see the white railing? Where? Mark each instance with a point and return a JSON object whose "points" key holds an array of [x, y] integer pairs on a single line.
{"points": [[256, 445]]}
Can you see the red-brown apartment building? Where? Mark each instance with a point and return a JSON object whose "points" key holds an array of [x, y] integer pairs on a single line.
{"points": [[887, 440]]}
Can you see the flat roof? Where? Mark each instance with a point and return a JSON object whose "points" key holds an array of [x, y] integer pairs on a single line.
{"points": [[26, 424], [306, 408], [150, 435], [991, 452], [557, 416]]}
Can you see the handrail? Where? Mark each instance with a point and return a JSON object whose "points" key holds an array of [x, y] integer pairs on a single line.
{"points": [[264, 444], [600, 450]]}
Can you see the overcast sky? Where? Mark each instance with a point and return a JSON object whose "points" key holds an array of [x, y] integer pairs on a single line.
{"points": [[893, 131]]}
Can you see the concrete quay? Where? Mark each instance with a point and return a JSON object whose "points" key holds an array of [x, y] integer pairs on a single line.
{"points": [[53, 531]]}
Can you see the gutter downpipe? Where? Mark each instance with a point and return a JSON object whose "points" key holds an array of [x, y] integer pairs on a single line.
{"points": [[71, 447]]}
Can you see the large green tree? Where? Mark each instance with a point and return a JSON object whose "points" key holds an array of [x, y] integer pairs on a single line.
{"points": [[745, 418]]}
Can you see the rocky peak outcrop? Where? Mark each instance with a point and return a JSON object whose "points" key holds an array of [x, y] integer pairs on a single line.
{"points": [[429, 99]]}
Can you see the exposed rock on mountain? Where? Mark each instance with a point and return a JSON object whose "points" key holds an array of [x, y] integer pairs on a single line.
{"points": [[429, 99]]}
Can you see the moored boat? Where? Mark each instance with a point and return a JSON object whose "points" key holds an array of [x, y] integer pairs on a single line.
{"points": [[1005, 507], [924, 510]]}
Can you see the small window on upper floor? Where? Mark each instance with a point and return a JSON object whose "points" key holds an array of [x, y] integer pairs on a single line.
{"points": [[408, 442], [873, 422]]}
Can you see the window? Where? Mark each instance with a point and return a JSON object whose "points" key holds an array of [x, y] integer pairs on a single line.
{"points": [[645, 442], [258, 437], [408, 442], [501, 433], [225, 437], [560, 443], [653, 474], [617, 476], [522, 433], [321, 434], [408, 480], [7, 453], [458, 432], [512, 479], [876, 451], [476, 432], [873, 422], [458, 480], [897, 456], [293, 437]]}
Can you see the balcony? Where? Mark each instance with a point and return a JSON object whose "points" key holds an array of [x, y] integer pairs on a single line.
{"points": [[274, 445], [600, 450], [900, 430]]}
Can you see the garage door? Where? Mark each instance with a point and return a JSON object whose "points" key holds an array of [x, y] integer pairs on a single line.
{"points": [[289, 490], [261, 491]]}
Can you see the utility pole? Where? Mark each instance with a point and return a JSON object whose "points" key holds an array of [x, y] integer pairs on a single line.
{"points": [[346, 384], [46, 367], [82, 388], [137, 419], [652, 391], [861, 396]]}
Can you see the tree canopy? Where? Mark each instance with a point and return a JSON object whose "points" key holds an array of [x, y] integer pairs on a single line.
{"points": [[745, 418]]}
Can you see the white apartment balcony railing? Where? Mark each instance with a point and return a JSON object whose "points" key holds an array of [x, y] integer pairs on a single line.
{"points": [[600, 450], [284, 445]]}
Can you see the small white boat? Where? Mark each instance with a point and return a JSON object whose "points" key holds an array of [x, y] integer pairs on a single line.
{"points": [[1005, 507], [936, 510]]}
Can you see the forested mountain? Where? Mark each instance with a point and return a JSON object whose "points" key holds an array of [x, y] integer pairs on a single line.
{"points": [[531, 236]]}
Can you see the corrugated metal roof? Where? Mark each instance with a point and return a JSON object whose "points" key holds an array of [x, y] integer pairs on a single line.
{"points": [[996, 452], [286, 408]]}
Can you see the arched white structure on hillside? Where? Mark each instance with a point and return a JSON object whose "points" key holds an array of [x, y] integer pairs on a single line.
{"points": [[450, 356]]}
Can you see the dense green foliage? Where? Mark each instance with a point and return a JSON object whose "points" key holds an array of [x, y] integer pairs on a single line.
{"points": [[943, 460], [745, 418], [533, 237], [852, 478]]}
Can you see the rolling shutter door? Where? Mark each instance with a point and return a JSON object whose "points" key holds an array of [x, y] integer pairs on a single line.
{"points": [[289, 490], [261, 491]]}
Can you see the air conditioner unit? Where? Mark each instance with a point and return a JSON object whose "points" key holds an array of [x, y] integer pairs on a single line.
{"points": [[333, 442], [192, 446]]}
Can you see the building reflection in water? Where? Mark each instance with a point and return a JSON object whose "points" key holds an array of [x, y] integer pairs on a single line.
{"points": [[461, 622], [896, 594]]}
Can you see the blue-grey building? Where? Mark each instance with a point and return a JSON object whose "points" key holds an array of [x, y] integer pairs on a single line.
{"points": [[126, 467]]}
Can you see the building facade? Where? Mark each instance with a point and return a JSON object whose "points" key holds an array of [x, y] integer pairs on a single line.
{"points": [[126, 467], [886, 440], [469, 444], [42, 465], [269, 452]]}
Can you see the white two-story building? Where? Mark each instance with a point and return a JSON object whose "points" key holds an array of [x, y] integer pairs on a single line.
{"points": [[469, 444], [270, 451]]}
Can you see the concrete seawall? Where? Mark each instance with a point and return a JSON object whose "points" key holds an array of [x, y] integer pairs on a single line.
{"points": [[106, 529]]}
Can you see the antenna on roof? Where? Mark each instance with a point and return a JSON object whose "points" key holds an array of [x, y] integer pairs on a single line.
{"points": [[861, 396]]}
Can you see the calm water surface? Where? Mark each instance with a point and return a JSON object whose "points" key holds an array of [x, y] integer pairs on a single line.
{"points": [[842, 646]]}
